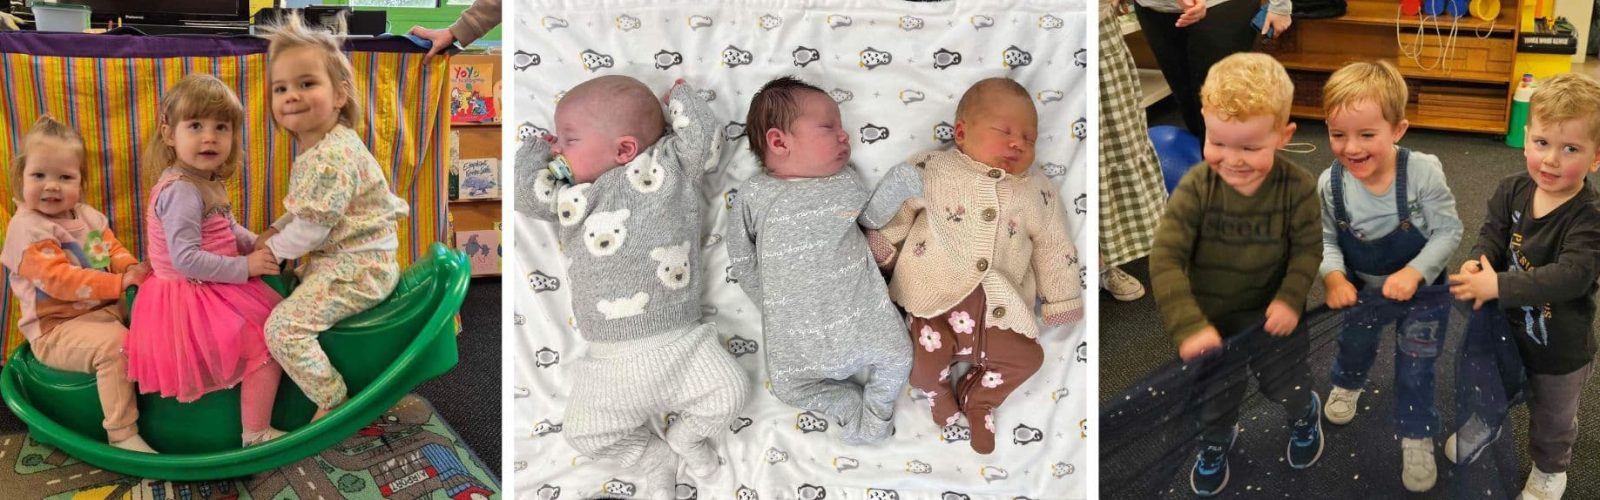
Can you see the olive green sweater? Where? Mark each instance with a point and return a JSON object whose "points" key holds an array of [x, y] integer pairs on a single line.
{"points": [[1219, 253]]}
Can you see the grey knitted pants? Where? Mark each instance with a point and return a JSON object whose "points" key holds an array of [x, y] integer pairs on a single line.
{"points": [[621, 387]]}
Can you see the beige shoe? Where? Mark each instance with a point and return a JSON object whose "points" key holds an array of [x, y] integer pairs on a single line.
{"points": [[1544, 486], [254, 438], [1419, 472], [134, 443], [1122, 286], [1341, 407]]}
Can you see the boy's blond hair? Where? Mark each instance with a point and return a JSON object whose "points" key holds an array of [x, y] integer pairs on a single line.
{"points": [[194, 97], [47, 128], [1566, 97], [1379, 82], [292, 33], [1245, 85]]}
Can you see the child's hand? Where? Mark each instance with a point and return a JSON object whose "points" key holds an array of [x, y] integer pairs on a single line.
{"points": [[1206, 340], [1478, 286], [135, 274], [261, 240], [262, 261], [1471, 266], [1402, 285], [1341, 293], [1281, 319]]}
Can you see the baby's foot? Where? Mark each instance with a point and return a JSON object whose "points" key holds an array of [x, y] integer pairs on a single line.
{"points": [[982, 422], [660, 467], [699, 458], [134, 443], [254, 438]]}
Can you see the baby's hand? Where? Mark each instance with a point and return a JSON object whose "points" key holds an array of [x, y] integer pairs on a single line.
{"points": [[1402, 285], [1206, 340], [1341, 293], [262, 261], [1281, 319], [135, 274]]}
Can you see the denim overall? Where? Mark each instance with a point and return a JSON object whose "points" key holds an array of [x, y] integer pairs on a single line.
{"points": [[1420, 324]]}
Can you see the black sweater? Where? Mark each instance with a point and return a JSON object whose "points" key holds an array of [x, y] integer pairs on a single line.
{"points": [[1547, 268]]}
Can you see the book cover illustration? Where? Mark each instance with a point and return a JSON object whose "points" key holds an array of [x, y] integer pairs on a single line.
{"points": [[479, 178]]}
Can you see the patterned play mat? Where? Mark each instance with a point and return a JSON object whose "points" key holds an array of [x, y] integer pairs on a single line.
{"points": [[408, 453]]}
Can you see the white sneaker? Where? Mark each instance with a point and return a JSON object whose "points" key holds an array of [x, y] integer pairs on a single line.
{"points": [[1341, 407], [1122, 286], [1544, 486], [134, 443], [1419, 472], [249, 439], [1475, 437]]}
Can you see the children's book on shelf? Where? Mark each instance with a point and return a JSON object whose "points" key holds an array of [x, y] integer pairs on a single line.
{"points": [[479, 179], [472, 93], [483, 250]]}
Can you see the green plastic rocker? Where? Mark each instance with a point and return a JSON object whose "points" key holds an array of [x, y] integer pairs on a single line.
{"points": [[383, 354]]}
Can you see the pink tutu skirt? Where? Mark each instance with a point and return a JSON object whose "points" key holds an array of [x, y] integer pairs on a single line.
{"points": [[188, 339]]}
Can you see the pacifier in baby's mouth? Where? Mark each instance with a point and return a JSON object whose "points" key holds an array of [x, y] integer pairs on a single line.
{"points": [[560, 169]]}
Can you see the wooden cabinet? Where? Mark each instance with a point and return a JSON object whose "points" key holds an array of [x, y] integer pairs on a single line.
{"points": [[1461, 77]]}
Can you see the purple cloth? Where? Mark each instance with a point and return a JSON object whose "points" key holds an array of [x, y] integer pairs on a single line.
{"points": [[180, 207]]}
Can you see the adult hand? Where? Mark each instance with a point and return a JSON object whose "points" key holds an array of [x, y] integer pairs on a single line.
{"points": [[1277, 23], [442, 39], [1193, 12]]}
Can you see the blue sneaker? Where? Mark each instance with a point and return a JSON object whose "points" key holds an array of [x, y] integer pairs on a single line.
{"points": [[1210, 473], [1305, 438]]}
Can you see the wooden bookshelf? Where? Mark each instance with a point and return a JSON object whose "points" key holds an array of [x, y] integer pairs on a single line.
{"points": [[478, 140], [1467, 88]]}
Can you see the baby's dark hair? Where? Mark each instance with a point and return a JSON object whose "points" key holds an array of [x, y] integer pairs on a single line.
{"points": [[775, 106]]}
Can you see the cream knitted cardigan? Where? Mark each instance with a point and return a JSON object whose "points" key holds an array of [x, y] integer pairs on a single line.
{"points": [[974, 225]]}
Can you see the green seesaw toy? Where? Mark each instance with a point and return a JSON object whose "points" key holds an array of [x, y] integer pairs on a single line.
{"points": [[383, 354]]}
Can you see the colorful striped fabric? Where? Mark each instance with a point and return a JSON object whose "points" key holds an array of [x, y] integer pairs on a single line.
{"points": [[108, 86]]}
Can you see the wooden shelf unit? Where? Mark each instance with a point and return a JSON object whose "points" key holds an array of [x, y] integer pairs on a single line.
{"points": [[478, 140], [1468, 91]]}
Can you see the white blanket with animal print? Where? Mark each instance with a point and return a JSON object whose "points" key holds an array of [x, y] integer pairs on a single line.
{"points": [[897, 71]]}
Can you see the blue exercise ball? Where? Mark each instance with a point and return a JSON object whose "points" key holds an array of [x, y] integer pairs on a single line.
{"points": [[1177, 149]]}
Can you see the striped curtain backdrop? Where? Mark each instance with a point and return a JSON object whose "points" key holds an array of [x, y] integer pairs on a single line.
{"points": [[108, 87]]}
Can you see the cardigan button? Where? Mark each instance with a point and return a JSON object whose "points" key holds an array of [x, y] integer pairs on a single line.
{"points": [[995, 173], [1000, 312], [988, 214], [983, 265]]}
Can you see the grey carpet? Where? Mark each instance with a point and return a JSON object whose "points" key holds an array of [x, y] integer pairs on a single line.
{"points": [[1364, 457]]}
